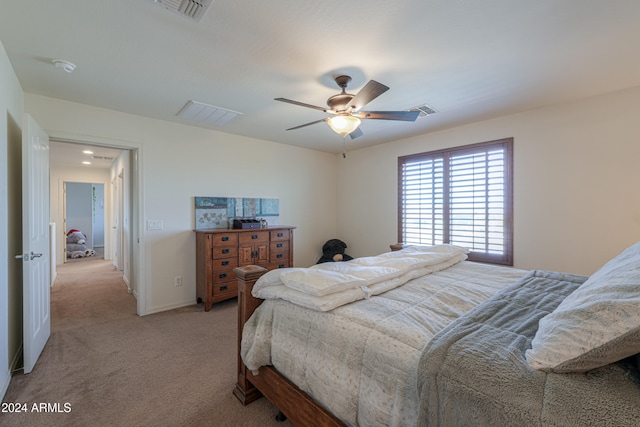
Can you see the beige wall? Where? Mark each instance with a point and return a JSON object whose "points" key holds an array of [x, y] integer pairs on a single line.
{"points": [[576, 197], [180, 162]]}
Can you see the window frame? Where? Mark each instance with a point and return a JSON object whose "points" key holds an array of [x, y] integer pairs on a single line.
{"points": [[506, 258]]}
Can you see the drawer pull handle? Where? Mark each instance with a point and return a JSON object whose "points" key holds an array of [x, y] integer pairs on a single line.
{"points": [[223, 275], [279, 256], [225, 262], [254, 236], [279, 245], [225, 251], [280, 234], [225, 238], [223, 288]]}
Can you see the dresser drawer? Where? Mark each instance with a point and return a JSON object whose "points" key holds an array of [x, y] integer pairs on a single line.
{"points": [[225, 263], [253, 237], [278, 251], [225, 251], [225, 239], [225, 288], [279, 246], [223, 276], [282, 264], [278, 235]]}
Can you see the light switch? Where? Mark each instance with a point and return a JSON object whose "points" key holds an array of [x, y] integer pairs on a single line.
{"points": [[154, 224]]}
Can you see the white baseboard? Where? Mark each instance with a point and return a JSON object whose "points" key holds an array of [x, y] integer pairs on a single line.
{"points": [[171, 307]]}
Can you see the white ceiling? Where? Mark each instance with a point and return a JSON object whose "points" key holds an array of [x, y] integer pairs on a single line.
{"points": [[467, 59], [65, 154]]}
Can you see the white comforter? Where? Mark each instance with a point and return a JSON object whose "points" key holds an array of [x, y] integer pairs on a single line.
{"points": [[329, 285], [360, 360]]}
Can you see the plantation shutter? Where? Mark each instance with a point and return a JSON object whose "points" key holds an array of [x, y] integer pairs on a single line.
{"points": [[460, 196]]}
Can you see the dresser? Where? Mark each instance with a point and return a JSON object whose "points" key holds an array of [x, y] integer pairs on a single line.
{"points": [[218, 252]]}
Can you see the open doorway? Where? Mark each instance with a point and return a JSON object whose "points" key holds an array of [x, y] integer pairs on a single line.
{"points": [[84, 216], [66, 158], [113, 164]]}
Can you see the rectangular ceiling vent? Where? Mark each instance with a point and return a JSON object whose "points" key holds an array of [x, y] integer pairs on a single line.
{"points": [[424, 110], [101, 158], [193, 9], [209, 114]]}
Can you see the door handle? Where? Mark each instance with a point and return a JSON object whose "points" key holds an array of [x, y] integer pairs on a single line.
{"points": [[27, 257]]}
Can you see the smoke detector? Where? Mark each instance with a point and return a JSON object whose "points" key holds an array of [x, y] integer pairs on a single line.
{"points": [[193, 9], [65, 66]]}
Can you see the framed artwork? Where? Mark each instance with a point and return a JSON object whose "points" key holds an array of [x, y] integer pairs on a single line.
{"points": [[216, 212]]}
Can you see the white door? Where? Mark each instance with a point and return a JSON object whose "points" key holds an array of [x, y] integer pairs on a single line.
{"points": [[35, 241]]}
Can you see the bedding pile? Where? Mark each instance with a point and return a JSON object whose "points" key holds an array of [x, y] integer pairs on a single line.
{"points": [[329, 285], [360, 360]]}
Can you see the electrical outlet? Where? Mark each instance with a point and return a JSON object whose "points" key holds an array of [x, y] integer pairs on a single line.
{"points": [[177, 281]]}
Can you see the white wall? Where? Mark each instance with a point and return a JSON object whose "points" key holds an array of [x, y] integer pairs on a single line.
{"points": [[180, 162], [11, 108], [576, 198]]}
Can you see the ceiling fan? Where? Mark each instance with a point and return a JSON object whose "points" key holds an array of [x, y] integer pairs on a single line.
{"points": [[345, 108]]}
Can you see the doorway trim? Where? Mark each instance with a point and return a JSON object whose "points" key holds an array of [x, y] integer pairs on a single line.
{"points": [[137, 255], [61, 246]]}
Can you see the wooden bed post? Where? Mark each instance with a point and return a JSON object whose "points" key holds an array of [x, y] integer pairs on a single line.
{"points": [[295, 404], [247, 277]]}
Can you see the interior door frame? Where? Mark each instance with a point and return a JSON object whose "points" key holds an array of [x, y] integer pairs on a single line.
{"points": [[136, 164], [62, 191]]}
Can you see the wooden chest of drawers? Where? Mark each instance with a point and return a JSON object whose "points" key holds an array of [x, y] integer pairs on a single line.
{"points": [[218, 252]]}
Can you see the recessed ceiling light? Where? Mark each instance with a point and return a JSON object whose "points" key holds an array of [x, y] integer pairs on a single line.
{"points": [[88, 152], [86, 163], [65, 66]]}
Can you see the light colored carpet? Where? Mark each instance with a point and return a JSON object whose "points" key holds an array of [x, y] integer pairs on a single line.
{"points": [[114, 368]]}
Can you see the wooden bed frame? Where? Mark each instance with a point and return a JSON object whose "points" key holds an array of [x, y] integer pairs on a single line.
{"points": [[294, 403]]}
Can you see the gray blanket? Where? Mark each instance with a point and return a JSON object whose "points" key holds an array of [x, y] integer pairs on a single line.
{"points": [[474, 373]]}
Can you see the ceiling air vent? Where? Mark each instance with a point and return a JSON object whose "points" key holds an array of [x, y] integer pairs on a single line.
{"points": [[193, 9], [424, 110], [101, 158], [199, 112]]}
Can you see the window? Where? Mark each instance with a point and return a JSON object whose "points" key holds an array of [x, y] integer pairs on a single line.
{"points": [[461, 196]]}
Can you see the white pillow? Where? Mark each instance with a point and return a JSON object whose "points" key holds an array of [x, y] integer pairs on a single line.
{"points": [[597, 324]]}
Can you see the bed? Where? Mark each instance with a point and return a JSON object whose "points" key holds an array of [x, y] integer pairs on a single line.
{"points": [[421, 336]]}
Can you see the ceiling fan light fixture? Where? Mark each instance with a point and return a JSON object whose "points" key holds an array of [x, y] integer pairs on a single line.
{"points": [[343, 124]]}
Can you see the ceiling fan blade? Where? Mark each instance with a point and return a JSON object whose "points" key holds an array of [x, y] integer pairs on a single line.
{"points": [[308, 124], [368, 93], [356, 133], [302, 104], [408, 116]]}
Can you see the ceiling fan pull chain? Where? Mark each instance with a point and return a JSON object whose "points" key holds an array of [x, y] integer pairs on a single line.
{"points": [[344, 146]]}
